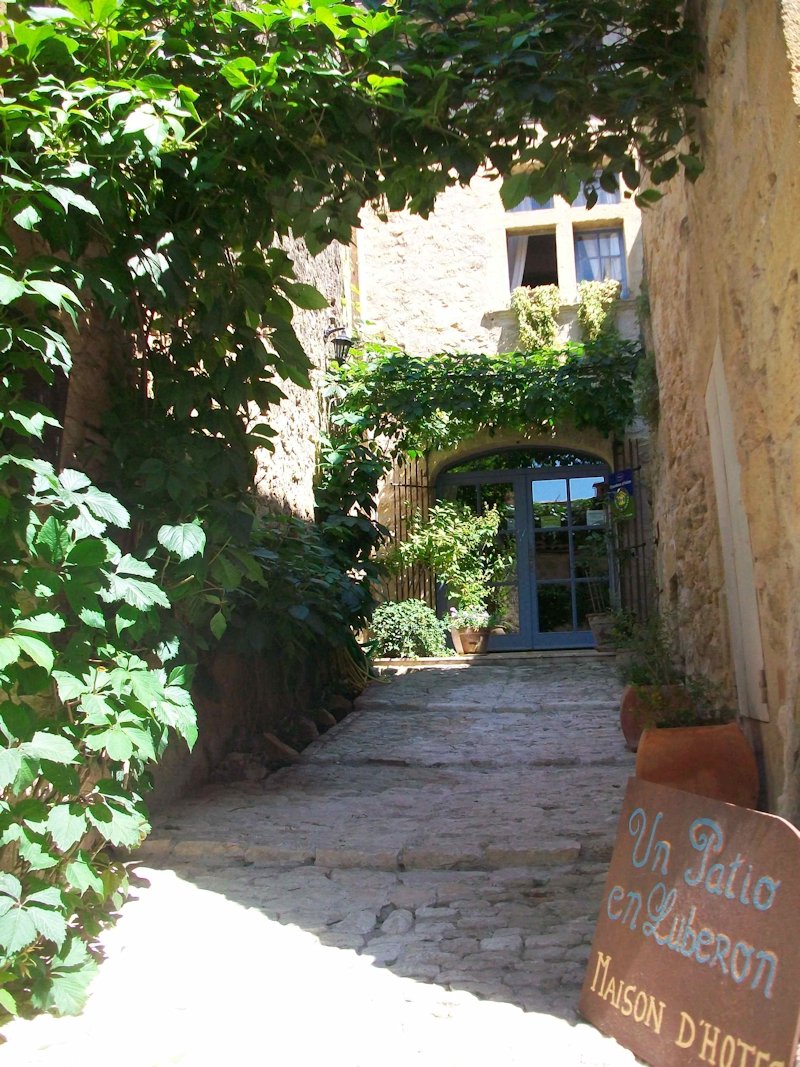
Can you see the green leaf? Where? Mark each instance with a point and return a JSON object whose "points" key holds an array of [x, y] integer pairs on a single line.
{"points": [[120, 827], [38, 650], [10, 763], [185, 541], [33, 849], [218, 624], [9, 652], [70, 979], [88, 552], [70, 686], [66, 824], [69, 198], [138, 594], [115, 741], [10, 289], [54, 293], [53, 540], [81, 875], [7, 1002], [45, 623], [54, 747], [514, 189], [17, 930], [305, 296], [28, 218], [50, 924], [10, 886]]}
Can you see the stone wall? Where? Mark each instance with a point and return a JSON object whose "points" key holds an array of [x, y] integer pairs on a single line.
{"points": [[722, 267], [442, 283], [285, 477]]}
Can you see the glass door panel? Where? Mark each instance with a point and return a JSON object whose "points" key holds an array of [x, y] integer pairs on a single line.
{"points": [[554, 603], [569, 559]]}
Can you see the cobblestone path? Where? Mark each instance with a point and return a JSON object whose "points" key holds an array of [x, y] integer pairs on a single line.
{"points": [[420, 889]]}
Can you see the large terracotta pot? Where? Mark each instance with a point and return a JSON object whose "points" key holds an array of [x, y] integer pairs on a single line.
{"points": [[644, 705], [470, 642], [712, 761]]}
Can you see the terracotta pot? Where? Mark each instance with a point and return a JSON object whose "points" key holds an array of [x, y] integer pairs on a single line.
{"points": [[712, 761], [470, 642], [643, 705], [601, 623]]}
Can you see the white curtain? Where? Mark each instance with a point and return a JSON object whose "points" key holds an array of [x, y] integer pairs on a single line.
{"points": [[517, 251]]}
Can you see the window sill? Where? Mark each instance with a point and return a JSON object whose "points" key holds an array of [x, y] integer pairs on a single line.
{"points": [[567, 312]]}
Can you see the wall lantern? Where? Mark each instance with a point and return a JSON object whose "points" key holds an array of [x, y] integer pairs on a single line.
{"points": [[341, 342]]}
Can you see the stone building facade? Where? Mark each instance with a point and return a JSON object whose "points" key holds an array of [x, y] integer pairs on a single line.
{"points": [[445, 284], [722, 266]]}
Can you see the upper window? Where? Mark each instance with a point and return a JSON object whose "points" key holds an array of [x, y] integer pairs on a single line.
{"points": [[600, 255], [603, 197], [532, 259], [529, 203]]}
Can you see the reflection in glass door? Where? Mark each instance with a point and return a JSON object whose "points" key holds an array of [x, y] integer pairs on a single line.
{"points": [[552, 538], [570, 560]]}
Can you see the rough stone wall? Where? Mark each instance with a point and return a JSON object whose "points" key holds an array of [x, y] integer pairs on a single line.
{"points": [[722, 267], [284, 480]]}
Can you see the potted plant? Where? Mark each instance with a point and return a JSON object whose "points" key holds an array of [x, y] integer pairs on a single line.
{"points": [[461, 548], [682, 733], [702, 750], [654, 687], [470, 629]]}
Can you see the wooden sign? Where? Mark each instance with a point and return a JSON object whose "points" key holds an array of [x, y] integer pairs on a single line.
{"points": [[696, 955]]}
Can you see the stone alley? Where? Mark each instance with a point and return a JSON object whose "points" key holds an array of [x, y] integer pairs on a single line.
{"points": [[421, 888]]}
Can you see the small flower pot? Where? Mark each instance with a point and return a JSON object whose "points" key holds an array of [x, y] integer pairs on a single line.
{"points": [[470, 642], [601, 624]]}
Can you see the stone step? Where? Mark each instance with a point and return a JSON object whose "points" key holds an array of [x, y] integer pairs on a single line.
{"points": [[425, 856]]}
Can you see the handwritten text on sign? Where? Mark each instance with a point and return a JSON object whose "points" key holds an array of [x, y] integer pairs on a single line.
{"points": [[694, 959]]}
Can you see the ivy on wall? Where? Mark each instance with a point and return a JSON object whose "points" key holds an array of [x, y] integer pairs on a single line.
{"points": [[421, 403]]}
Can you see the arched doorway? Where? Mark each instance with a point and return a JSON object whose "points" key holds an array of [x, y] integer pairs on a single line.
{"points": [[553, 532]]}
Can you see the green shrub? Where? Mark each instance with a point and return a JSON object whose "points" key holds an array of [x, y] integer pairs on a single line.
{"points": [[408, 630]]}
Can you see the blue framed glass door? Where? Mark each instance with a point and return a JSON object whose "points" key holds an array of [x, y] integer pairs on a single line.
{"points": [[552, 535]]}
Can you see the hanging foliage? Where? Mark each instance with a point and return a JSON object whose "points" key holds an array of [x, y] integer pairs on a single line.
{"points": [[422, 402]]}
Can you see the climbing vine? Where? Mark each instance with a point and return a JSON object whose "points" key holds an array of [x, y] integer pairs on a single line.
{"points": [[536, 309], [597, 302], [431, 402]]}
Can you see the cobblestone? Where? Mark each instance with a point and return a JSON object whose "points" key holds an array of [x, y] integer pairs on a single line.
{"points": [[420, 888]]}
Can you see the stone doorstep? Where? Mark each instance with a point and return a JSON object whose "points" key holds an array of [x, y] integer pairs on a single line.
{"points": [[422, 703], [493, 659]]}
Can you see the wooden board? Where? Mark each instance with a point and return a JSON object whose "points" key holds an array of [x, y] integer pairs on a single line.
{"points": [[696, 954]]}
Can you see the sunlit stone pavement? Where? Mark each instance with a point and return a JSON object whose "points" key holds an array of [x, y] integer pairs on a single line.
{"points": [[420, 889]]}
